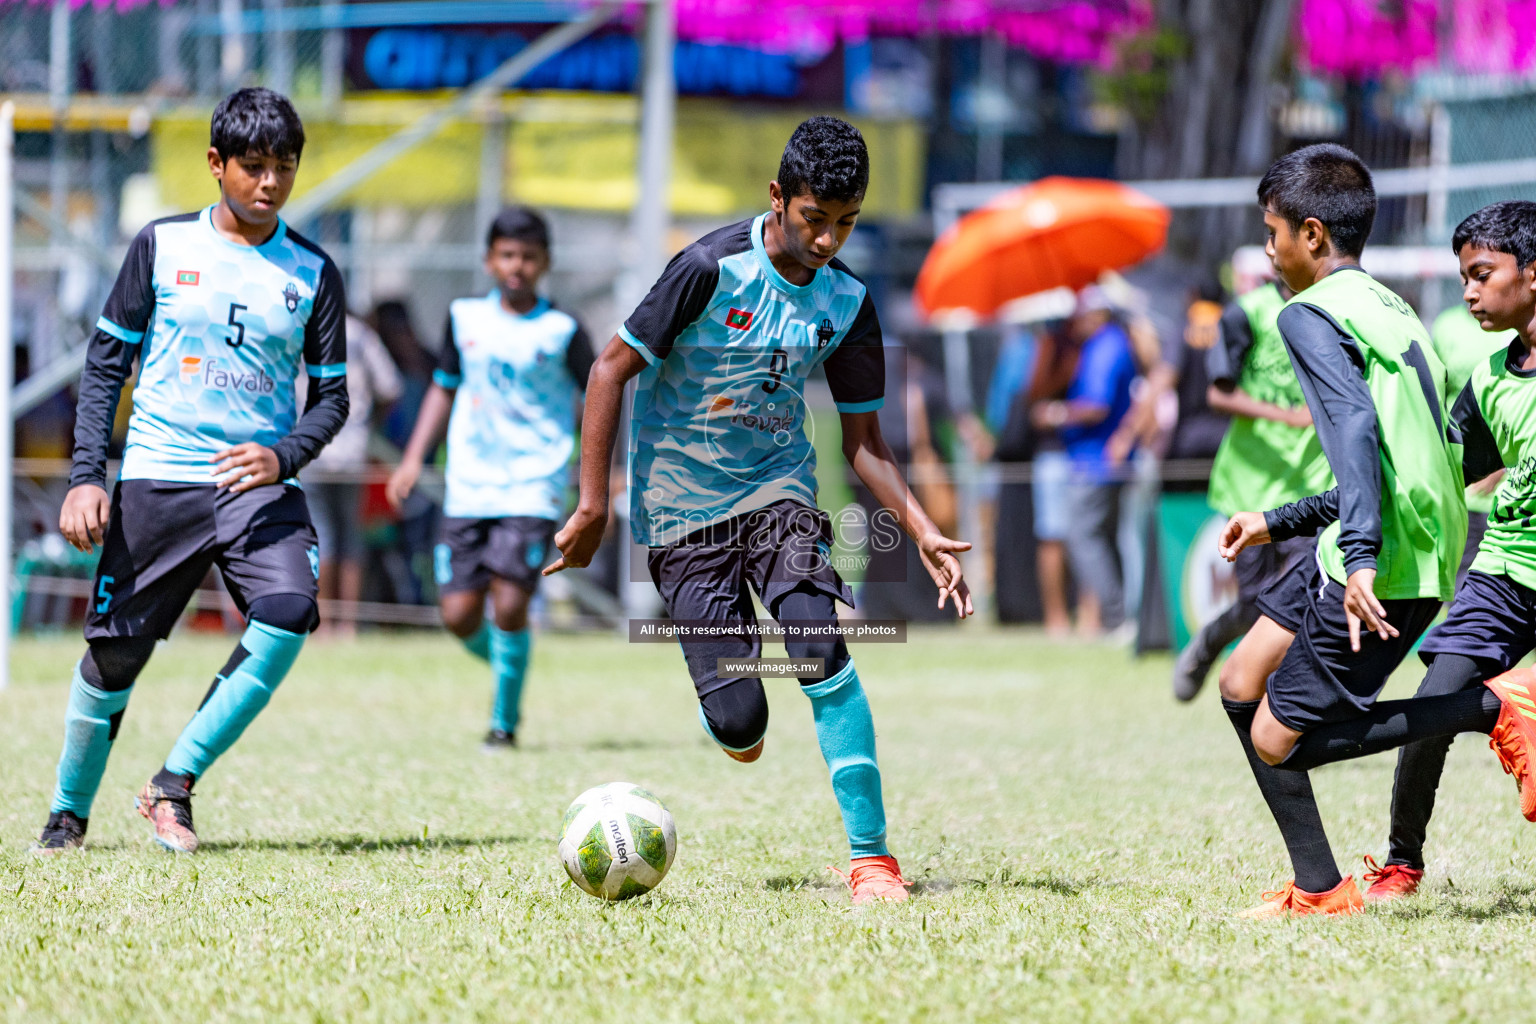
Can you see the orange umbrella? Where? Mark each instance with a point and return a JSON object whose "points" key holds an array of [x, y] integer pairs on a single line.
{"points": [[1054, 233]]}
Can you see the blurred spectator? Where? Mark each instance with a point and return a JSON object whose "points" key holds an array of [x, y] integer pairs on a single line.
{"points": [[1138, 442], [392, 320], [1200, 428], [1096, 401], [409, 563], [896, 584], [1055, 365], [373, 385], [1015, 573]]}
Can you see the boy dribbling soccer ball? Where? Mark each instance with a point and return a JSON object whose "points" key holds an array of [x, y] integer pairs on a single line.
{"points": [[722, 476]]}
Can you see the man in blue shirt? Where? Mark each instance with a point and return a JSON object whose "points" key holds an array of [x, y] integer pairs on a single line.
{"points": [[722, 473], [219, 307], [1096, 401]]}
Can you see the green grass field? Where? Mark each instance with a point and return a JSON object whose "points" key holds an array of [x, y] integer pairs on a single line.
{"points": [[1078, 843]]}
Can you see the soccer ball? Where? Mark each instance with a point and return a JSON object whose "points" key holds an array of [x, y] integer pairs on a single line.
{"points": [[617, 841]]}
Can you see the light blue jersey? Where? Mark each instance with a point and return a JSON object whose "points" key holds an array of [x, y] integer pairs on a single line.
{"points": [[220, 330], [719, 425], [516, 379]]}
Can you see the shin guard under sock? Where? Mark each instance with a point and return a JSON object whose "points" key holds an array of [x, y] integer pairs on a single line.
{"points": [[1290, 800], [90, 726], [846, 731], [509, 664], [244, 686], [479, 643]]}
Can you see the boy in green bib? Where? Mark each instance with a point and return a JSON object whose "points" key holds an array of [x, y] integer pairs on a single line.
{"points": [[1492, 621], [1269, 456], [1301, 687]]}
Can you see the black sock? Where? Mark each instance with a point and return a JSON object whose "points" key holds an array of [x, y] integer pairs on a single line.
{"points": [[1392, 723], [171, 782], [1289, 796], [1419, 764]]}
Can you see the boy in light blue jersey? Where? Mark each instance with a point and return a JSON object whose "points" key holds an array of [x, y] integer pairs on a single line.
{"points": [[722, 475], [219, 308], [511, 370]]}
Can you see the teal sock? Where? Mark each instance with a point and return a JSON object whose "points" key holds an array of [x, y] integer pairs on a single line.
{"points": [[480, 644], [509, 664], [846, 731], [89, 729], [261, 660]]}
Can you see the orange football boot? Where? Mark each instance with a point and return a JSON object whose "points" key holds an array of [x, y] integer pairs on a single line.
{"points": [[1514, 735], [1390, 882], [170, 811], [874, 878], [746, 756], [1290, 901]]}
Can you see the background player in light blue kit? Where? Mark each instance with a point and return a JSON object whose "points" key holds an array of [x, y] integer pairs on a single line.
{"points": [[511, 370], [722, 475], [218, 307]]}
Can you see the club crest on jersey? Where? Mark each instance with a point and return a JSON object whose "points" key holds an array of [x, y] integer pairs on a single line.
{"points": [[187, 276], [740, 319], [291, 297], [824, 332]]}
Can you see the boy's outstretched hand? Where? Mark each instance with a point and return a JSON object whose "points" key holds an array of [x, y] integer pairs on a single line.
{"points": [[83, 519], [938, 554], [578, 540], [1244, 530]]}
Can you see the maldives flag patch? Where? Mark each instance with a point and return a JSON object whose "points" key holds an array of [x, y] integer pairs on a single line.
{"points": [[740, 319], [186, 277]]}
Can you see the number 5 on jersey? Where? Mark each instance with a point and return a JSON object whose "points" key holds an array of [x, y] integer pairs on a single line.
{"points": [[239, 338]]}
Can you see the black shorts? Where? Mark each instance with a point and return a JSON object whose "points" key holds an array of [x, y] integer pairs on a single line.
{"points": [[1492, 621], [1261, 566], [705, 577], [471, 551], [1320, 679], [164, 537]]}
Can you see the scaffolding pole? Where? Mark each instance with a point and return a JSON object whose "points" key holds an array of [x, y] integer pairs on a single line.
{"points": [[429, 124], [650, 223], [7, 355]]}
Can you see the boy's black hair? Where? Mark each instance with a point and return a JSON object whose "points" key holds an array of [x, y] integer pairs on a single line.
{"points": [[1327, 182], [825, 158], [1508, 226], [256, 121], [520, 223]]}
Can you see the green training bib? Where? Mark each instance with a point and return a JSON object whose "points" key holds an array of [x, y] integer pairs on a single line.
{"points": [[1461, 343], [1423, 512], [1507, 400], [1263, 464]]}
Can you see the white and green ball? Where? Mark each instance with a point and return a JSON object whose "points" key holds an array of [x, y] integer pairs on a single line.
{"points": [[617, 841]]}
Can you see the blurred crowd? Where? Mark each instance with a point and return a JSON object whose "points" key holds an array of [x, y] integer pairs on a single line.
{"points": [[1087, 418]]}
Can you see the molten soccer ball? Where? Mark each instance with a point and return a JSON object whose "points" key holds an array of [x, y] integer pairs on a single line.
{"points": [[617, 841]]}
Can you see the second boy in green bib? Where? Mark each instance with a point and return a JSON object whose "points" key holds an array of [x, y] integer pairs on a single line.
{"points": [[1269, 456]]}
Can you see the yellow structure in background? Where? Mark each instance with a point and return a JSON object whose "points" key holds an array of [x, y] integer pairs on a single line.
{"points": [[570, 150]]}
